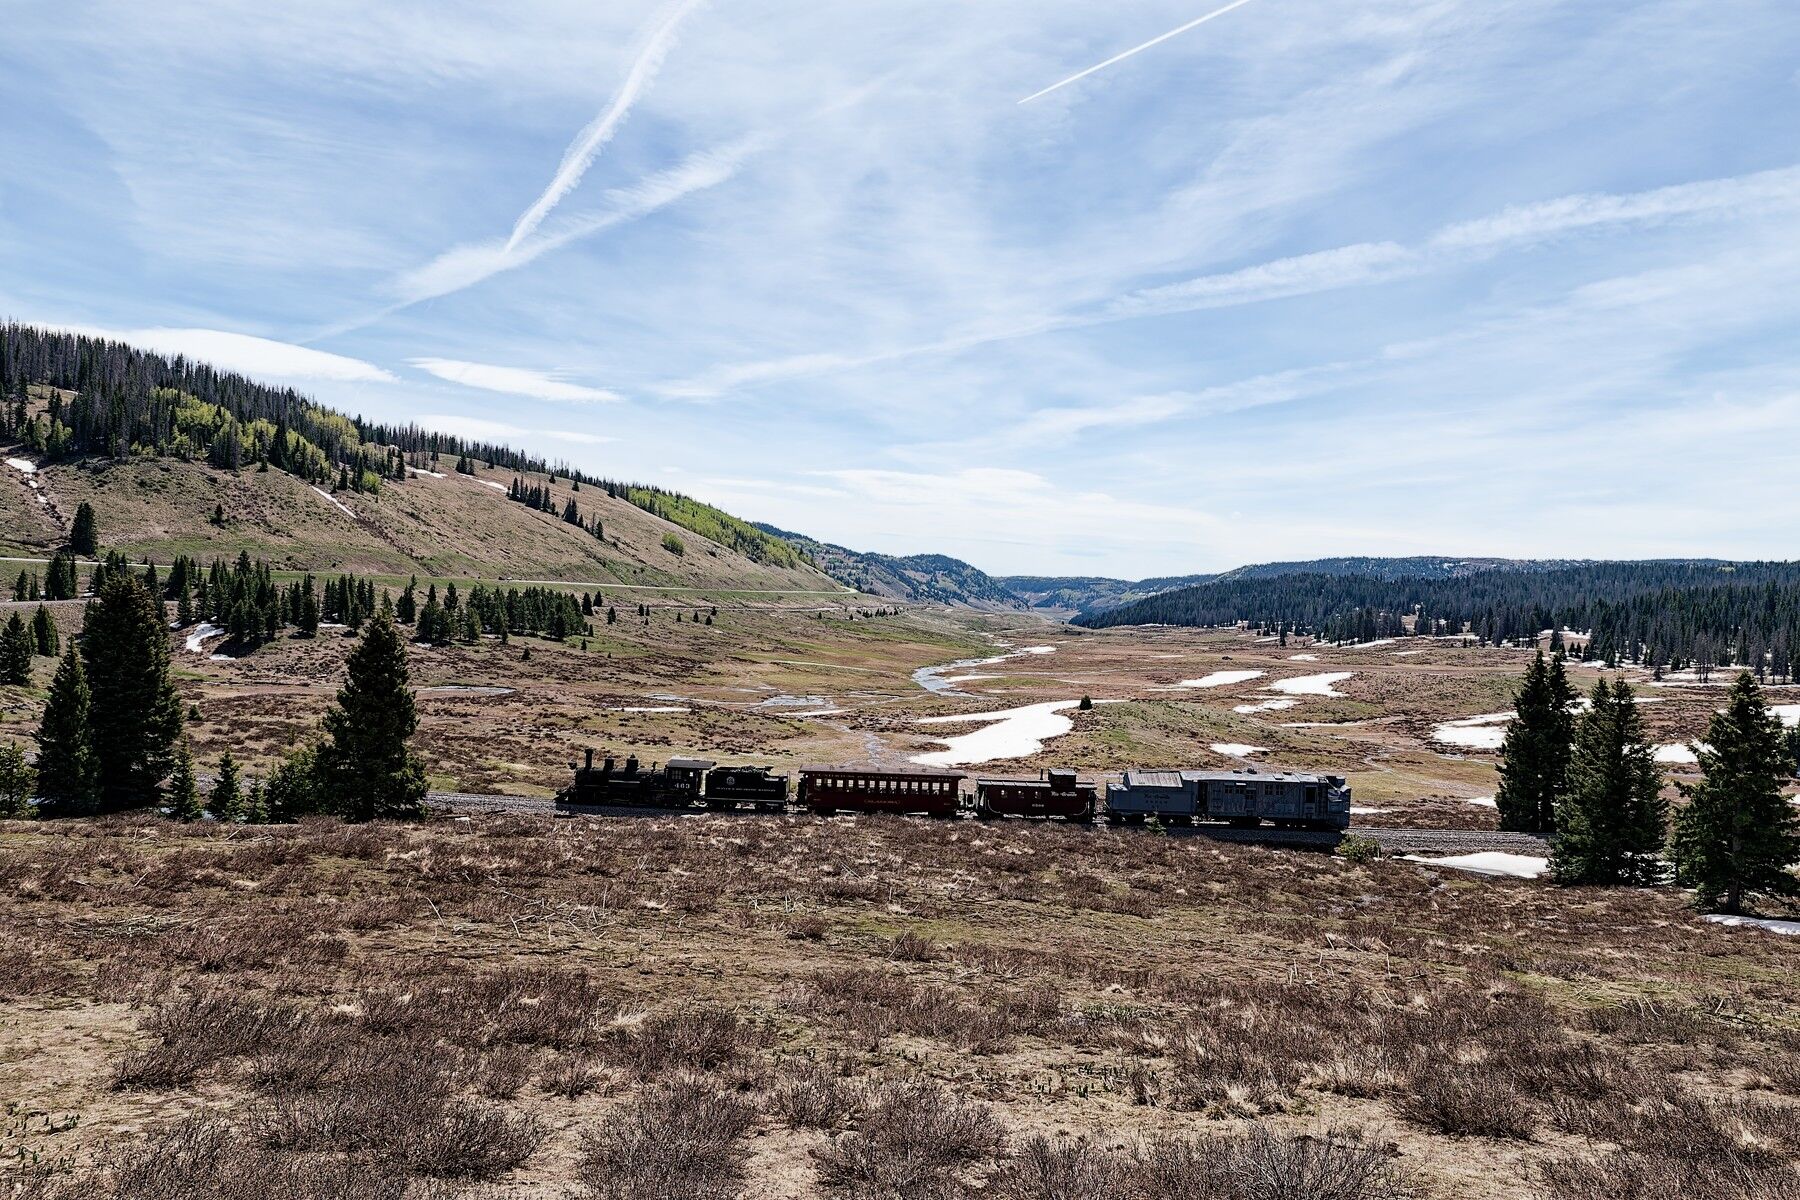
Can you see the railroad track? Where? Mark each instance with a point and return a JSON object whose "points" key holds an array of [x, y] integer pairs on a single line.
{"points": [[1392, 841]]}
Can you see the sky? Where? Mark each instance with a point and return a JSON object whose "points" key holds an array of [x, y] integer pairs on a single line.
{"points": [[1295, 278]]}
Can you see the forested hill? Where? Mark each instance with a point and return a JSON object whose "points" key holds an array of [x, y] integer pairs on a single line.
{"points": [[1088, 593], [921, 578], [1658, 612], [72, 399], [1415, 567]]}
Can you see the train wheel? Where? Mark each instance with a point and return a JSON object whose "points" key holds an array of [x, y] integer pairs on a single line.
{"points": [[1113, 818]]}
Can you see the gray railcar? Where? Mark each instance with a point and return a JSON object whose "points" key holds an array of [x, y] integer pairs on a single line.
{"points": [[1250, 797], [1162, 794]]}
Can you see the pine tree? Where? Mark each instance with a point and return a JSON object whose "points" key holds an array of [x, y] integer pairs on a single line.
{"points": [[68, 775], [17, 782], [1611, 818], [136, 715], [256, 804], [1738, 836], [15, 652], [48, 642], [366, 767], [84, 534], [227, 800], [184, 795], [1535, 753]]}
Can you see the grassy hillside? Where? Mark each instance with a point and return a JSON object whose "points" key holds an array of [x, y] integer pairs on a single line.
{"points": [[921, 578], [453, 525]]}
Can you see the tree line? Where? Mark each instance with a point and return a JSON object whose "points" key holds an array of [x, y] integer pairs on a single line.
{"points": [[112, 736], [127, 401], [1589, 780], [1660, 614]]}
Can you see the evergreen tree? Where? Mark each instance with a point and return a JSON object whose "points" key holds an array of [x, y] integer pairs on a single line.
{"points": [[1535, 753], [135, 715], [1738, 837], [1610, 820], [256, 804], [366, 768], [227, 800], [48, 642], [293, 788], [15, 652], [184, 794], [17, 782], [68, 775], [84, 534]]}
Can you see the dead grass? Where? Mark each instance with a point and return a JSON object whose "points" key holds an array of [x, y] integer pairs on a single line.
{"points": [[1013, 1010]]}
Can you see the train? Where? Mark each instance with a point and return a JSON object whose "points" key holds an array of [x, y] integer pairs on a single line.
{"points": [[1247, 797]]}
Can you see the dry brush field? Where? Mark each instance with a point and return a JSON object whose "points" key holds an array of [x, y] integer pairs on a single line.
{"points": [[710, 1006]]}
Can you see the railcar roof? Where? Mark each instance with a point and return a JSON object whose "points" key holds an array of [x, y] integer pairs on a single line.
{"points": [[885, 772], [689, 764], [1161, 779], [1252, 777]]}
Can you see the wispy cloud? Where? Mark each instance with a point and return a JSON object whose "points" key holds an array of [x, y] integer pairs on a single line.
{"points": [[590, 141], [466, 265], [1361, 264], [257, 357], [482, 429], [513, 381], [1118, 58]]}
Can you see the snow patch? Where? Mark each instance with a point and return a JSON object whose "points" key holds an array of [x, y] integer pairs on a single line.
{"points": [[1489, 862], [1356, 810], [22, 465], [1303, 658], [1677, 752], [1010, 733], [333, 501], [498, 487], [1406, 653], [1221, 679], [1791, 928], [1484, 801], [1483, 732], [1275, 705], [660, 708], [1237, 749], [1311, 685], [422, 471], [196, 638]]}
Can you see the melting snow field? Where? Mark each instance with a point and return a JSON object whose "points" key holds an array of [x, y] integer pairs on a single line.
{"points": [[1677, 752], [1484, 732], [1237, 749], [1359, 811], [932, 678], [1489, 862], [498, 487], [658, 708], [1220, 679], [1789, 713], [1791, 928], [1275, 705], [1484, 801], [1312, 685], [333, 501], [23, 465], [196, 638], [1010, 733], [1303, 658]]}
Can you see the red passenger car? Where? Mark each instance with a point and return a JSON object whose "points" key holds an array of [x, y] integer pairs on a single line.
{"points": [[1057, 793], [934, 793]]}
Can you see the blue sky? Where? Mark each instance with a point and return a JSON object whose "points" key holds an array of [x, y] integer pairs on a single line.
{"points": [[1404, 276]]}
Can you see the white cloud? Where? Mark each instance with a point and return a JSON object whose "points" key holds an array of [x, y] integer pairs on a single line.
{"points": [[466, 265], [588, 143], [257, 357], [513, 381], [485, 430]]}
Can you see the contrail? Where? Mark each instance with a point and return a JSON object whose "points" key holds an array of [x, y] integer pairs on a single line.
{"points": [[587, 145], [1137, 49]]}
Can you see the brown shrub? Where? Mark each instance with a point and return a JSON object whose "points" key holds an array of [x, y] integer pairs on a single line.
{"points": [[912, 1139], [1464, 1100], [691, 1039], [678, 1142], [817, 1098]]}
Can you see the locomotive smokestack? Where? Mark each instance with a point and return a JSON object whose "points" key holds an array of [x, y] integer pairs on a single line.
{"points": [[590, 758]]}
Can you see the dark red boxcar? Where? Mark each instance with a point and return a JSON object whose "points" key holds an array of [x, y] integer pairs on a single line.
{"points": [[1057, 794], [934, 793]]}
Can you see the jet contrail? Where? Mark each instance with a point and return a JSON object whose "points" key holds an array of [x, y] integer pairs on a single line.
{"points": [[1137, 49], [588, 143]]}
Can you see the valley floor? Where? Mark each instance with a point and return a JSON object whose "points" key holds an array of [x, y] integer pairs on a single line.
{"points": [[501, 1005]]}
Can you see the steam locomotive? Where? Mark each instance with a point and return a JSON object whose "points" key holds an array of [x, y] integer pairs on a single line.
{"points": [[1247, 797]]}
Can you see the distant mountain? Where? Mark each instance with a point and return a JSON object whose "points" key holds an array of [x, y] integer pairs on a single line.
{"points": [[1088, 593], [920, 578], [1429, 566]]}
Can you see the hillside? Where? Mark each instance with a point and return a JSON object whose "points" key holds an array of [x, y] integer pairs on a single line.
{"points": [[1088, 593], [176, 458], [920, 578]]}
